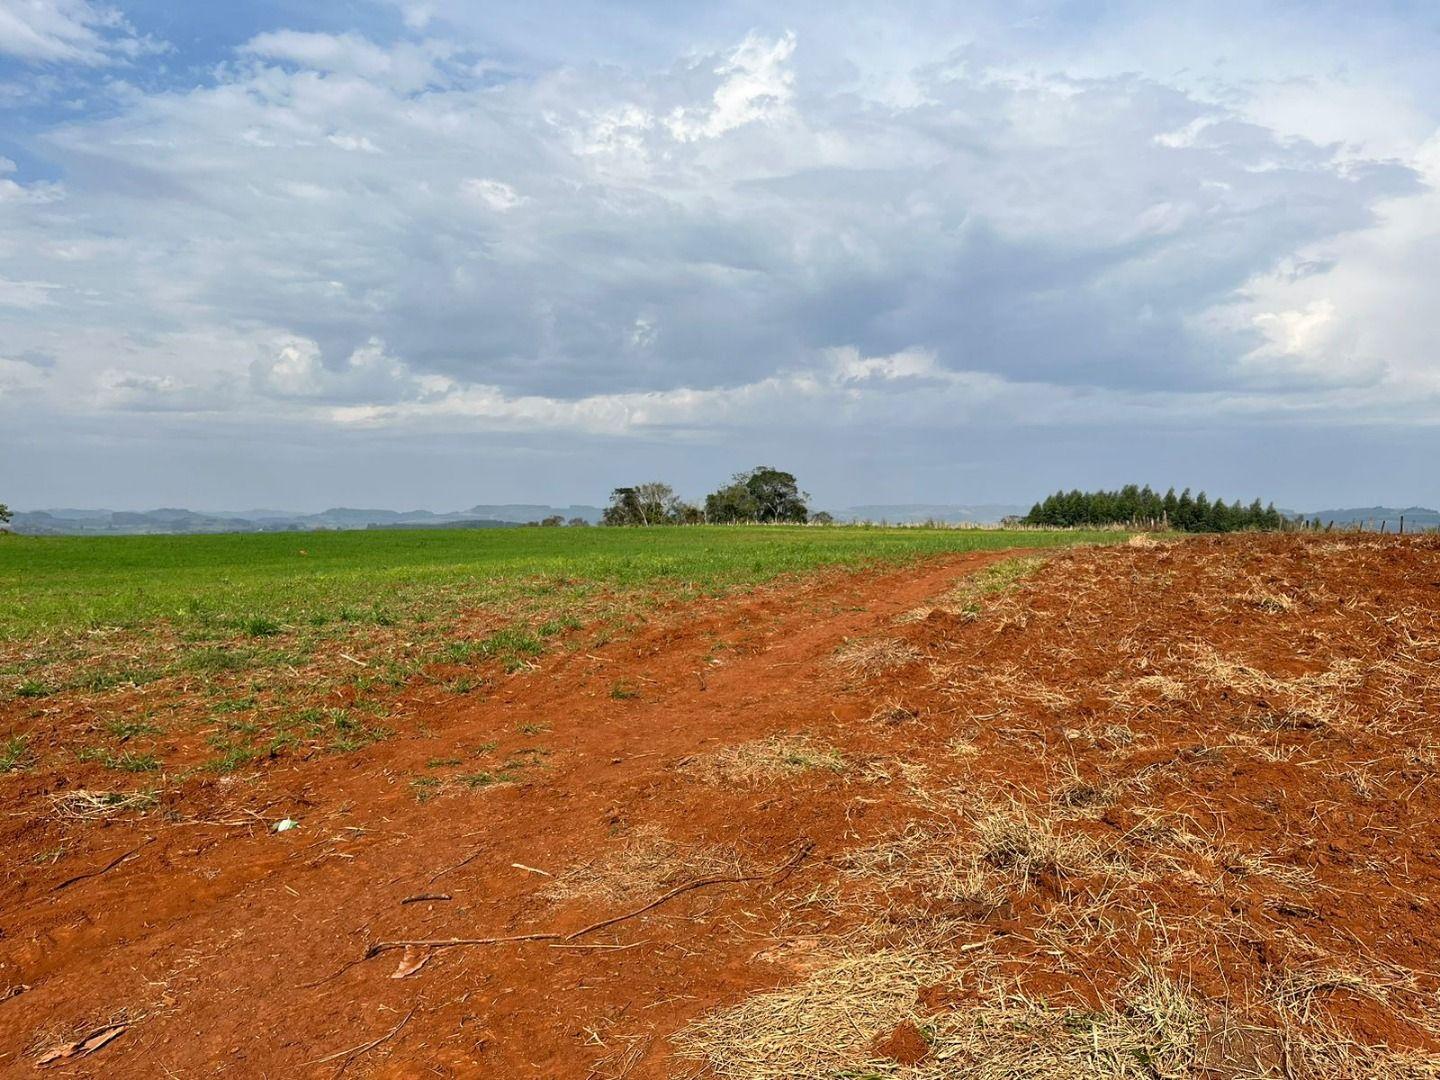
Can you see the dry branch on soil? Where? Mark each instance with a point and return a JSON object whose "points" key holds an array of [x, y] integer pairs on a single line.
{"points": [[647, 860]]}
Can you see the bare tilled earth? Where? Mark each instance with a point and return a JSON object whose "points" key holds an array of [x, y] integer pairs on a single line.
{"points": [[1156, 810]]}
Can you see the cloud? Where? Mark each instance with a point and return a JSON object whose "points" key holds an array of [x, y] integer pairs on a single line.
{"points": [[752, 228], [756, 85], [67, 31], [496, 194]]}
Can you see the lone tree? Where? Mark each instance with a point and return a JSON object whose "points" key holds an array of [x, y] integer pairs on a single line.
{"points": [[651, 503], [4, 513], [763, 494]]}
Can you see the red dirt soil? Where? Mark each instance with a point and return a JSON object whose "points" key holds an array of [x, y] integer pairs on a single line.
{"points": [[230, 949]]}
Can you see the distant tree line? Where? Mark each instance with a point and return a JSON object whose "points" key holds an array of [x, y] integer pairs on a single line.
{"points": [[1133, 505], [764, 495]]}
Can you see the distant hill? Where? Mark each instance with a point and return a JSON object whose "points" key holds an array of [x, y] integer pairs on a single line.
{"points": [[1419, 516], [950, 513], [172, 520]]}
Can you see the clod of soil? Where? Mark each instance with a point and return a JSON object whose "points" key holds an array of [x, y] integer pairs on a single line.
{"points": [[906, 1045]]}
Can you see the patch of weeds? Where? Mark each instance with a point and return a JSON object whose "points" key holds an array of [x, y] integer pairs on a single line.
{"points": [[512, 647], [15, 754], [485, 778], [533, 729], [233, 756], [624, 690], [340, 730], [51, 857], [107, 680], [558, 626], [126, 761], [31, 689], [259, 626], [425, 788], [481, 749], [465, 684], [124, 729], [215, 658], [441, 762], [241, 704]]}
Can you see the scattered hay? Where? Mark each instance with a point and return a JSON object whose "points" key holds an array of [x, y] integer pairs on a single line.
{"points": [[1145, 540], [1153, 689], [1305, 701], [873, 657], [646, 862], [1272, 603], [935, 858], [828, 1026], [764, 760], [1028, 847], [960, 747], [819, 1028], [964, 599], [892, 714], [1007, 691], [85, 805]]}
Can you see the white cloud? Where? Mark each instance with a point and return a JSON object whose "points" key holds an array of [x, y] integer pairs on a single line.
{"points": [[67, 31], [496, 194], [756, 85], [27, 294], [323, 236]]}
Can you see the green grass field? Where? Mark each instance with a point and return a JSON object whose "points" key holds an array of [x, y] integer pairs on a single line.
{"points": [[195, 655], [263, 582]]}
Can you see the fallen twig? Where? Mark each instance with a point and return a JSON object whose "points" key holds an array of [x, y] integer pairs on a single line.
{"points": [[419, 898], [365, 1048], [806, 846], [85, 1046], [111, 865]]}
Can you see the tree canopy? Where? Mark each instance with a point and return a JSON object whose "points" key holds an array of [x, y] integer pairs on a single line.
{"points": [[652, 503], [1133, 505], [763, 494]]}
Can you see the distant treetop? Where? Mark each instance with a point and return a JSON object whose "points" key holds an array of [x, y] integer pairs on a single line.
{"points": [[764, 494], [1141, 506]]}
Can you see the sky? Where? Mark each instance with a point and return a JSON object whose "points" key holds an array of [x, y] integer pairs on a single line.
{"points": [[432, 253]]}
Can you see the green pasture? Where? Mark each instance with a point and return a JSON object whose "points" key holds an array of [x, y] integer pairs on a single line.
{"points": [[263, 583]]}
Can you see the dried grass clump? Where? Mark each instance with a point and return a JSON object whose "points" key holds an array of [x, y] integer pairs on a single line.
{"points": [[936, 859], [1028, 847], [646, 862], [85, 805], [1007, 691], [1148, 689], [825, 1028], [1305, 701], [764, 760], [892, 714], [820, 1029], [1145, 540], [873, 657], [1272, 603]]}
